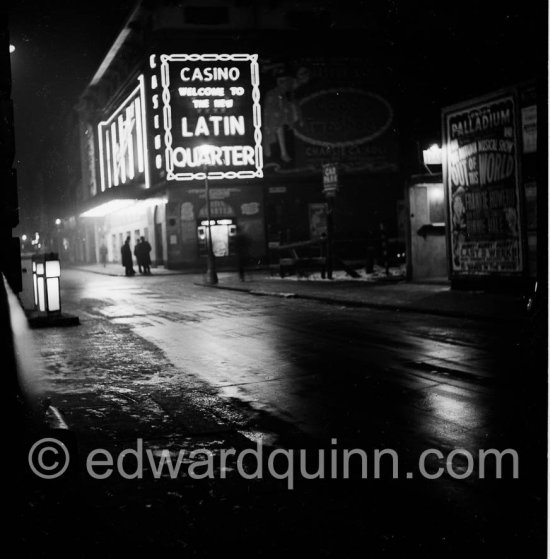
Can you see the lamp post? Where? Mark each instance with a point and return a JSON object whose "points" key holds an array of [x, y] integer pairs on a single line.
{"points": [[330, 186], [211, 275], [57, 235]]}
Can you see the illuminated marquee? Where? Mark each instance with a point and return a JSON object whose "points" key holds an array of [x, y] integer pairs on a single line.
{"points": [[211, 99], [123, 143]]}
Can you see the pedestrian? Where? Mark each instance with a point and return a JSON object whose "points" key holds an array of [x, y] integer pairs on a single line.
{"points": [[145, 251], [103, 254], [323, 254], [138, 253], [126, 253], [242, 245]]}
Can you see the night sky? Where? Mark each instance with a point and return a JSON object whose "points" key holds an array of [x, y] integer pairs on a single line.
{"points": [[59, 45], [444, 53]]}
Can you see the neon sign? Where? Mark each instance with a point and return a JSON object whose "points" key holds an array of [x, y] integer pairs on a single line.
{"points": [[123, 142], [210, 99], [90, 152]]}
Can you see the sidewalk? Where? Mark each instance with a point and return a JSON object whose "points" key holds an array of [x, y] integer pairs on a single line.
{"points": [[374, 291], [393, 293], [118, 270]]}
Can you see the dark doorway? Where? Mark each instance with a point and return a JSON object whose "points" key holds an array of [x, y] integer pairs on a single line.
{"points": [[159, 261]]}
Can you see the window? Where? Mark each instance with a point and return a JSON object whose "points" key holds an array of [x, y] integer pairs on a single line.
{"points": [[436, 203]]}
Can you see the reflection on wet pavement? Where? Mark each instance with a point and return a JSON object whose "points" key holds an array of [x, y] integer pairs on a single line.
{"points": [[330, 371], [185, 367]]}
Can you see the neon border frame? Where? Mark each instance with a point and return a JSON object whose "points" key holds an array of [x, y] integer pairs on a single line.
{"points": [[140, 89], [167, 115]]}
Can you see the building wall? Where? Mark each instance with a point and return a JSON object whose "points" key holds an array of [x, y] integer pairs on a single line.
{"points": [[317, 105], [295, 211]]}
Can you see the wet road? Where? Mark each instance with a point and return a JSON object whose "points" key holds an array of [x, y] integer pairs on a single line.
{"points": [[306, 374], [329, 371]]}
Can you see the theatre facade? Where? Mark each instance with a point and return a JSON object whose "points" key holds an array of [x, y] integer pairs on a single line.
{"points": [[176, 109]]}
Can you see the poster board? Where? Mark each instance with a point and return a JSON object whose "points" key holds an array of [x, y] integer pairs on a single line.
{"points": [[481, 181]]}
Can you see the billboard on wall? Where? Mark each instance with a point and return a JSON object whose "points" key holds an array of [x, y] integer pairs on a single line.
{"points": [[206, 111], [317, 110], [480, 173]]}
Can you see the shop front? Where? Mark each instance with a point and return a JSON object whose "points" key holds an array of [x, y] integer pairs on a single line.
{"points": [[232, 208], [105, 227]]}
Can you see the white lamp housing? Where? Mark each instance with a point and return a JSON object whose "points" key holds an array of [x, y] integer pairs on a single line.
{"points": [[46, 273]]}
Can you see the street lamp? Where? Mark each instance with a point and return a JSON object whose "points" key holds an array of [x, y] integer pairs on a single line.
{"points": [[211, 276], [57, 235], [330, 187], [46, 272]]}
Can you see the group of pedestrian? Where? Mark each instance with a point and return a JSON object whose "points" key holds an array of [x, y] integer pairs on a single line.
{"points": [[142, 252]]}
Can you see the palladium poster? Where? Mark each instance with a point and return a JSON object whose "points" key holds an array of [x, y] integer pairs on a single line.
{"points": [[480, 172]]}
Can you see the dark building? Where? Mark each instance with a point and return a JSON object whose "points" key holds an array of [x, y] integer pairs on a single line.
{"points": [[275, 92], [10, 260], [262, 96]]}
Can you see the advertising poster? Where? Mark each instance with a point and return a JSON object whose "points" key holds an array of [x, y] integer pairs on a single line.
{"points": [[318, 110], [480, 171]]}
